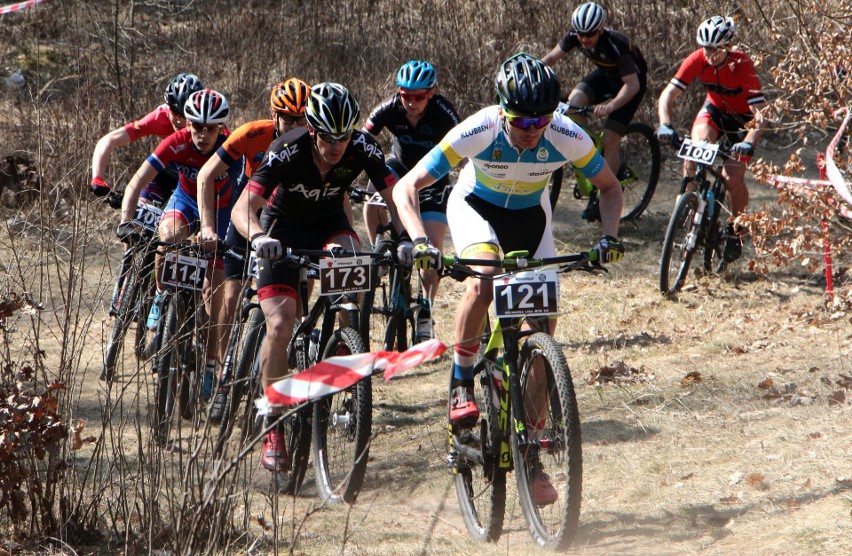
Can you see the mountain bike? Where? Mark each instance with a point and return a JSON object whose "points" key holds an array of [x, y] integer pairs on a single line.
{"points": [[638, 174], [134, 288], [180, 343], [696, 221], [519, 367], [392, 309]]}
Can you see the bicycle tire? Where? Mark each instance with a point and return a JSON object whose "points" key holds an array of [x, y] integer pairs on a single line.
{"points": [[677, 255], [559, 451], [128, 306], [481, 487], [166, 369], [342, 425], [639, 151], [375, 305], [714, 233], [146, 297], [243, 381]]}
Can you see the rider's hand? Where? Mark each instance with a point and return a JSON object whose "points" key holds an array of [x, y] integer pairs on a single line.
{"points": [[209, 240], [666, 133], [99, 187], [425, 254], [609, 249], [404, 252], [743, 148], [128, 232], [266, 247]]}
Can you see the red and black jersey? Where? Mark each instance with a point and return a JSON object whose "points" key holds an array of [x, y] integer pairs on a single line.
{"points": [[732, 86], [296, 193]]}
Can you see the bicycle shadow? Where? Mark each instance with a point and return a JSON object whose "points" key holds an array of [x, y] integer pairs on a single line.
{"points": [[610, 431]]}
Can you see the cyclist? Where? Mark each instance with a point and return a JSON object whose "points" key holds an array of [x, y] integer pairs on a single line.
{"points": [[162, 122], [248, 142], [418, 117], [734, 99], [305, 175], [500, 202], [189, 149], [616, 86]]}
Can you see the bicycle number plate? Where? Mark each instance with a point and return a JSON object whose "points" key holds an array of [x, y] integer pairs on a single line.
{"points": [[344, 275], [698, 151], [376, 200], [147, 216], [183, 272], [530, 293]]}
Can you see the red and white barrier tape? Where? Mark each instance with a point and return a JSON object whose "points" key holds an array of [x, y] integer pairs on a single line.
{"points": [[338, 373], [19, 6]]}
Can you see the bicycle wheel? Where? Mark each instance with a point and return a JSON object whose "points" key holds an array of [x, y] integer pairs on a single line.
{"points": [[639, 172], [342, 425], [128, 307], [714, 234], [165, 363], [145, 296], [679, 244], [242, 382], [555, 449], [480, 482]]}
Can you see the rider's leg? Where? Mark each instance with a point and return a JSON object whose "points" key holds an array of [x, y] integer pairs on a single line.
{"points": [[280, 314], [578, 97], [373, 216]]}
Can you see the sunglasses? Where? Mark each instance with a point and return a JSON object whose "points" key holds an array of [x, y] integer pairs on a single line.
{"points": [[290, 120], [525, 122], [416, 97], [331, 138], [588, 35], [209, 128]]}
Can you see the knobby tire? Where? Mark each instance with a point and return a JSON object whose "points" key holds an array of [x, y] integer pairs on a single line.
{"points": [[676, 257]]}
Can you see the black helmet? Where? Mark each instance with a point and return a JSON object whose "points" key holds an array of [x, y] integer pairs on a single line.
{"points": [[527, 86], [179, 90], [332, 109]]}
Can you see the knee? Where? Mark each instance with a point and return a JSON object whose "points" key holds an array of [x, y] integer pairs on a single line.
{"points": [[481, 292]]}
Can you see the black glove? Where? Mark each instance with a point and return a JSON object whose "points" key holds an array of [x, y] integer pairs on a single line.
{"points": [[114, 199], [666, 134], [743, 148], [609, 249], [99, 187]]}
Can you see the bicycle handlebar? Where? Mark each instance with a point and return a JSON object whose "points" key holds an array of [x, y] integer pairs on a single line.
{"points": [[459, 268]]}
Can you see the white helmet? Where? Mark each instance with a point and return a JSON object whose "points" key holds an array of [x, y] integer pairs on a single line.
{"points": [[588, 18], [716, 31], [206, 107]]}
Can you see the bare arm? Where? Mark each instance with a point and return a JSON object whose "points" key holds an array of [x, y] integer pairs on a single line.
{"points": [[244, 214], [553, 55], [141, 178], [407, 201], [611, 200], [215, 166], [666, 103], [627, 92], [760, 122], [104, 148]]}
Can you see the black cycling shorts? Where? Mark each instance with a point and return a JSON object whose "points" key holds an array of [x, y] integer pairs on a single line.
{"points": [[599, 86]]}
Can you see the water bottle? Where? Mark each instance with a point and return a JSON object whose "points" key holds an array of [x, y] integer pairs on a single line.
{"points": [[313, 346], [424, 322]]}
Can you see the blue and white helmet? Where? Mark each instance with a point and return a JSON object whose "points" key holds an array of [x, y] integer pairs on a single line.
{"points": [[588, 18], [416, 75]]}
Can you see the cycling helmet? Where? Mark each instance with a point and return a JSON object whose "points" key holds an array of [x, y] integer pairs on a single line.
{"points": [[716, 31], [206, 107], [588, 18], [179, 89], [527, 86], [332, 109], [290, 97], [416, 75]]}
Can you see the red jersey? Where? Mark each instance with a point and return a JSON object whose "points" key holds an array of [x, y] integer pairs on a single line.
{"points": [[156, 122], [249, 140], [732, 87], [177, 149]]}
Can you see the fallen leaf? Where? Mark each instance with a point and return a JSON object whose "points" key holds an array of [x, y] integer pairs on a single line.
{"points": [[766, 383], [693, 376], [733, 499], [837, 398], [756, 480]]}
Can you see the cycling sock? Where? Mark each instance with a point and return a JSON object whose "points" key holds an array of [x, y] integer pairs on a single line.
{"points": [[463, 359]]}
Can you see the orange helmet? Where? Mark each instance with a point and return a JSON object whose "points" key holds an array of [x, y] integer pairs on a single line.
{"points": [[290, 97]]}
